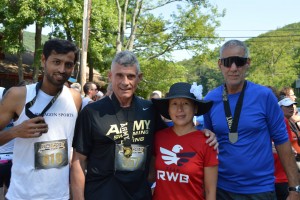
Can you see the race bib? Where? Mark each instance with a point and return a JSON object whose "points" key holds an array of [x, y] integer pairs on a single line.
{"points": [[52, 154], [135, 162]]}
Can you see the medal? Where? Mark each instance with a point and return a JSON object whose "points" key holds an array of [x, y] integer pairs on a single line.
{"points": [[233, 137], [127, 150]]}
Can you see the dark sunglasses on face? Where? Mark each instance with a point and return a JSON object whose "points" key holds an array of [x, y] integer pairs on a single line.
{"points": [[239, 61]]}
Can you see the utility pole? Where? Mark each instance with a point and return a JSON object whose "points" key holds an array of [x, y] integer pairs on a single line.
{"points": [[85, 39]]}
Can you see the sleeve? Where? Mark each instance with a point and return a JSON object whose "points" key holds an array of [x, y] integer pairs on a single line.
{"points": [[82, 141], [211, 156], [275, 120], [206, 118]]}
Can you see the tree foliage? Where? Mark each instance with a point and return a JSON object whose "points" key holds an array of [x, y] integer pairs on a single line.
{"points": [[191, 26], [160, 75], [203, 69], [273, 57]]}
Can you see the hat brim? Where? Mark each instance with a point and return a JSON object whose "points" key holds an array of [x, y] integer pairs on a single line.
{"points": [[162, 105]]}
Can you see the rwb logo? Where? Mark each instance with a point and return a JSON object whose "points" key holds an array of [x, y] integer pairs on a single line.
{"points": [[174, 156]]}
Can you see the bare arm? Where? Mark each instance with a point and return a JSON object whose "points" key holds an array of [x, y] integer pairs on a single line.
{"points": [[210, 182], [12, 104], [78, 175], [77, 98], [288, 162]]}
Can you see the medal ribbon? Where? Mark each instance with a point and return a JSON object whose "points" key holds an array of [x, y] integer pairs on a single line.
{"points": [[233, 123], [30, 104], [126, 117]]}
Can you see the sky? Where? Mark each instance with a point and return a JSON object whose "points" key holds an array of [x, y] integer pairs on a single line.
{"points": [[249, 18], [245, 19]]}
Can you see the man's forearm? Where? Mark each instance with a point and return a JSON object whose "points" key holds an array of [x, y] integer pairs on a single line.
{"points": [[288, 162], [77, 178]]}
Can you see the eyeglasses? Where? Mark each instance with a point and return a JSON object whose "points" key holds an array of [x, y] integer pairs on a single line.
{"points": [[239, 61]]}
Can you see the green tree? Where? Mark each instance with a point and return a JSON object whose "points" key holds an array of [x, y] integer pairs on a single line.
{"points": [[16, 16], [159, 75], [273, 56], [191, 26], [204, 70]]}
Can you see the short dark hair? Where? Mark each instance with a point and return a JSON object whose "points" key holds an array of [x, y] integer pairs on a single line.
{"points": [[87, 86], [60, 46]]}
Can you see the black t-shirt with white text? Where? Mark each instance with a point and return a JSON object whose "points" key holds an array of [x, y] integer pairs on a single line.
{"points": [[99, 133]]}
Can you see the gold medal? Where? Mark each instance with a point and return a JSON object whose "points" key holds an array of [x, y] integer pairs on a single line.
{"points": [[127, 150]]}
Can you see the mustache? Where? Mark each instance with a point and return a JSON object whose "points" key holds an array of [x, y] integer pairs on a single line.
{"points": [[62, 74]]}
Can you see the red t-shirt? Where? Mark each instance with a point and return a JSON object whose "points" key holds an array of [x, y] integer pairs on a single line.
{"points": [[180, 162], [280, 176]]}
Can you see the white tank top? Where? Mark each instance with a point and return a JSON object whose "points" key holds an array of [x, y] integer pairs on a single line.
{"points": [[27, 182]]}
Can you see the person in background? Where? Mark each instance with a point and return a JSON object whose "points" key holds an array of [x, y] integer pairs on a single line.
{"points": [[289, 92], [90, 90], [246, 118], [6, 154], [198, 122], [181, 150], [281, 181], [5, 161], [99, 95], [155, 94], [45, 115], [113, 139], [70, 81], [76, 86], [109, 90], [2, 89]]}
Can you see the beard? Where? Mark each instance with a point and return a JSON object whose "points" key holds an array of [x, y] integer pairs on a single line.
{"points": [[53, 78]]}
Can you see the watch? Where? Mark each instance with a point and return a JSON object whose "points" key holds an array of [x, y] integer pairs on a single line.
{"points": [[296, 188]]}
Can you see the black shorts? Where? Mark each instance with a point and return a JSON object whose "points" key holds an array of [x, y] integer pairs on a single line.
{"points": [[5, 173]]}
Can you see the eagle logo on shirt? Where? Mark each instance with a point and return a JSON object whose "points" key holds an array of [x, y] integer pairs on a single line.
{"points": [[174, 156]]}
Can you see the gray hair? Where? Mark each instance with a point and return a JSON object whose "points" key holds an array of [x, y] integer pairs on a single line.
{"points": [[126, 58], [235, 43], [76, 86]]}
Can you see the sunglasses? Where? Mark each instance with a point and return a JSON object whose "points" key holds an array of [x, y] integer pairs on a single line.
{"points": [[239, 61]]}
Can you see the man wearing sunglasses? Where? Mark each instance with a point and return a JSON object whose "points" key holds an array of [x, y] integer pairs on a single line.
{"points": [[246, 117]]}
